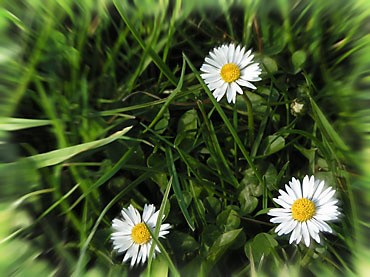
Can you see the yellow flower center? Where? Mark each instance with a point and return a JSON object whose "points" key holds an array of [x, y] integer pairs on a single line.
{"points": [[140, 234], [303, 209], [230, 72]]}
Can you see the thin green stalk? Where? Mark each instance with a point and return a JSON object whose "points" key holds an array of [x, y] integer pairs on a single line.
{"points": [[235, 122], [250, 119]]}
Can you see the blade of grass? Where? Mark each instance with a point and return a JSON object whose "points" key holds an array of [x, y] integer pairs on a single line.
{"points": [[60, 155], [177, 189], [13, 124], [156, 234], [325, 127]]}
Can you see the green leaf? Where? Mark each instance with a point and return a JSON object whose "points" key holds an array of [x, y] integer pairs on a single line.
{"points": [[270, 177], [270, 64], [220, 246], [162, 123], [298, 59], [273, 144], [261, 246], [186, 129], [212, 204], [228, 220], [185, 243], [13, 124], [159, 268], [248, 203]]}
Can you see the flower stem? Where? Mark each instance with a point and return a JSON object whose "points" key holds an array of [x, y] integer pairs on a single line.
{"points": [[250, 119]]}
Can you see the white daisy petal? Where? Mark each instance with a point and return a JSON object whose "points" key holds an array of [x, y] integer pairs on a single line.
{"points": [[296, 187], [306, 209], [305, 234], [280, 219], [129, 219], [290, 192], [231, 51], [121, 226], [207, 68], [148, 211], [325, 197], [318, 190], [311, 187], [245, 83], [238, 55], [282, 203], [134, 214], [220, 54], [306, 186], [313, 230], [220, 92], [286, 197], [296, 234], [278, 212], [213, 61], [230, 93], [227, 68], [237, 88], [131, 234], [214, 82], [123, 245], [215, 85], [293, 224], [322, 225]]}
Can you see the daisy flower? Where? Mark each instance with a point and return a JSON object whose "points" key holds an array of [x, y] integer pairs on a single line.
{"points": [[227, 68], [131, 234], [305, 210]]}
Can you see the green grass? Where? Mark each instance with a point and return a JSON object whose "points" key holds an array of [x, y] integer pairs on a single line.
{"points": [[102, 105]]}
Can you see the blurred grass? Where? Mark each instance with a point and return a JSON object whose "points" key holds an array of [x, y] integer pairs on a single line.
{"points": [[74, 74]]}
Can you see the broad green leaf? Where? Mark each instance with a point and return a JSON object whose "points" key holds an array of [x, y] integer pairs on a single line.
{"points": [[162, 123], [184, 242], [298, 60], [159, 268], [221, 245], [248, 203], [212, 205], [13, 124], [262, 245], [209, 235], [270, 177], [186, 129], [273, 144], [228, 220], [270, 64]]}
